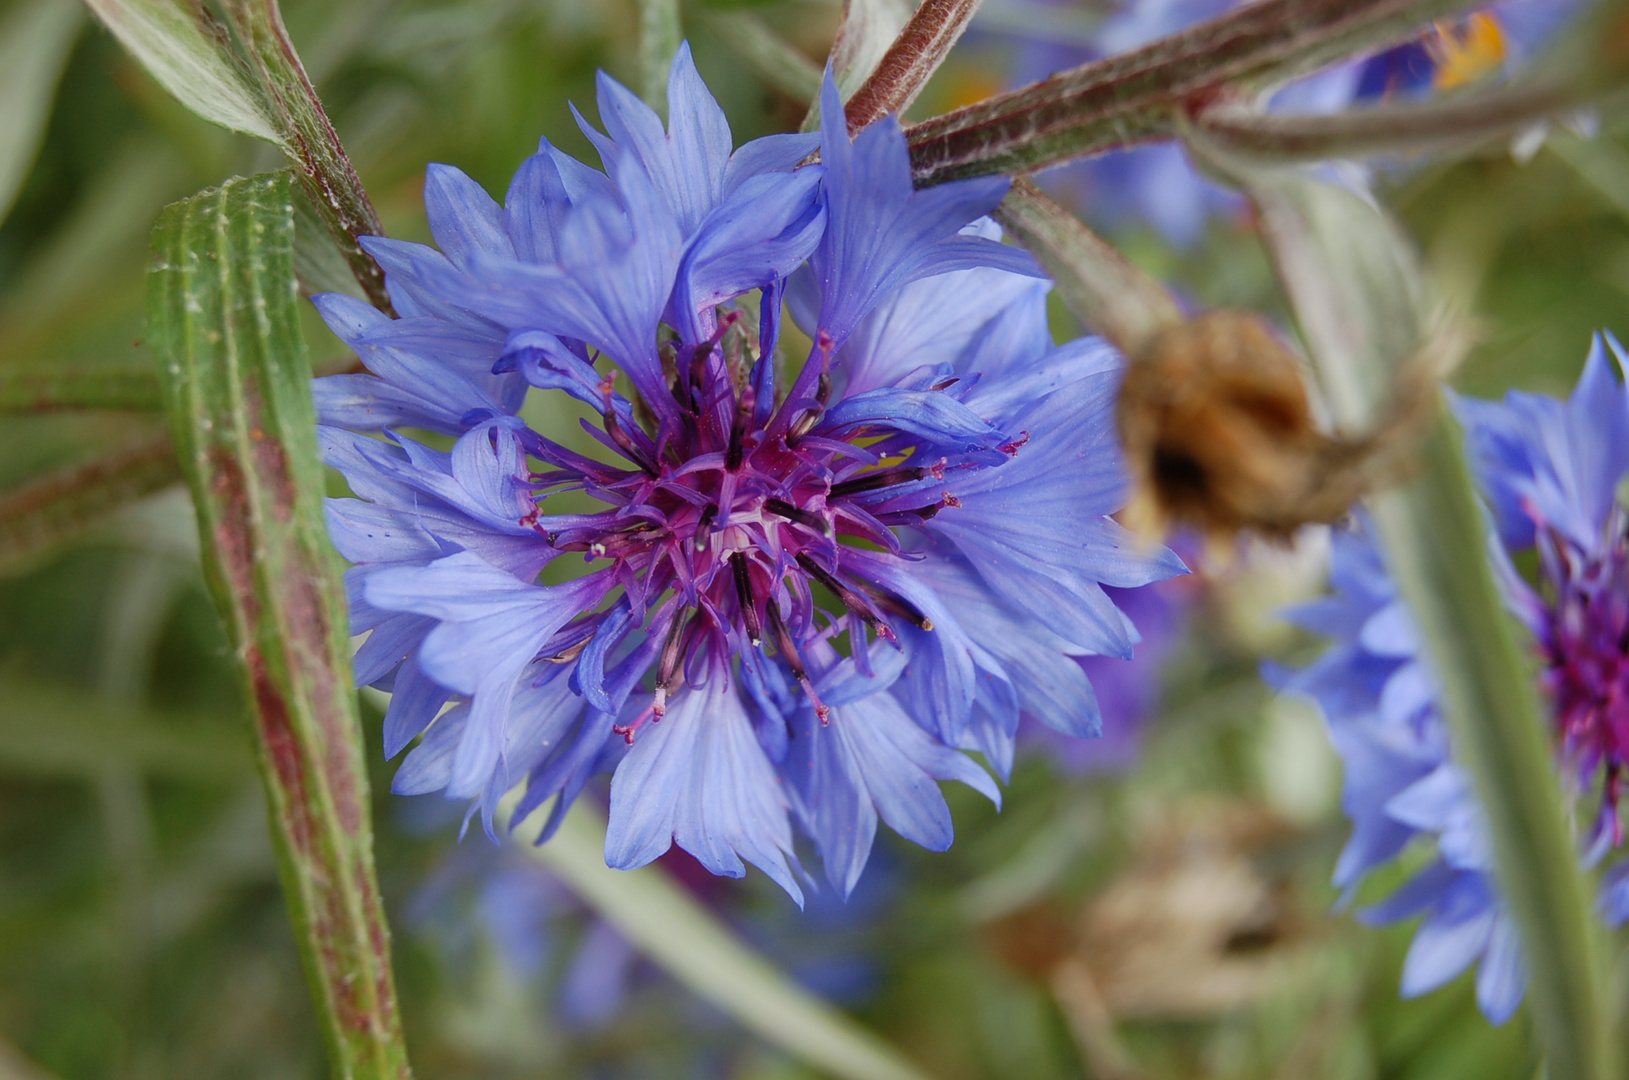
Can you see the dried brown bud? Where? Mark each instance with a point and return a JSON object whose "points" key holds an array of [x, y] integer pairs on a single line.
{"points": [[1219, 434]]}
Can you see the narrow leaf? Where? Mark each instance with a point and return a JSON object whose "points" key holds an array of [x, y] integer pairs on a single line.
{"points": [[190, 54], [1354, 285], [61, 505], [922, 45], [35, 39], [681, 935], [1139, 96], [224, 322], [1104, 290], [49, 389]]}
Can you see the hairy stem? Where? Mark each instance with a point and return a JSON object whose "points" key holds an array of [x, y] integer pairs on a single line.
{"points": [[910, 61], [1139, 96], [223, 319], [310, 141]]}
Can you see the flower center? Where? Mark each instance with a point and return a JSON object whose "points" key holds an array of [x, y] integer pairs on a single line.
{"points": [[1587, 654], [744, 523]]}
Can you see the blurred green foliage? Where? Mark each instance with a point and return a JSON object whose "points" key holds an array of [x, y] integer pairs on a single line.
{"points": [[142, 933]]}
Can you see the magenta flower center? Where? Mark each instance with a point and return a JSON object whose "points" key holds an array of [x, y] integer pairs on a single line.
{"points": [[743, 523], [1586, 653]]}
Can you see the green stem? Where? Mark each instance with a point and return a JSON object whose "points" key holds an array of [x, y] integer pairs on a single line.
{"points": [[310, 142], [1104, 290], [1434, 534], [659, 38], [223, 320], [1448, 125], [1353, 283]]}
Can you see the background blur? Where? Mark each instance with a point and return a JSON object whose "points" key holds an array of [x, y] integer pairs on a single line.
{"points": [[1155, 906]]}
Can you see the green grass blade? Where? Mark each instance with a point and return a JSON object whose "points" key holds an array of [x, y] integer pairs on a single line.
{"points": [[223, 322], [676, 931], [35, 40]]}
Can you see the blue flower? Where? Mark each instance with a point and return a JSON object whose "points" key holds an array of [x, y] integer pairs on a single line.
{"points": [[1549, 471], [764, 602]]}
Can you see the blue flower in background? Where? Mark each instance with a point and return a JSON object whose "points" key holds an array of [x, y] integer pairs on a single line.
{"points": [[541, 934], [1157, 185], [764, 604], [1128, 692], [1550, 471]]}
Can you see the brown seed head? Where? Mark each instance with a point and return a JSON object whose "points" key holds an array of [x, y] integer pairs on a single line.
{"points": [[1219, 434]]}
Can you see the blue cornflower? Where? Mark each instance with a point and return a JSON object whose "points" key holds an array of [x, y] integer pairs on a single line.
{"points": [[800, 603], [1549, 470]]}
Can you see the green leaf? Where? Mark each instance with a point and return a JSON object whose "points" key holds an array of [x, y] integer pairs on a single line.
{"points": [[35, 39], [190, 54], [1356, 290], [681, 935], [223, 320], [1104, 290]]}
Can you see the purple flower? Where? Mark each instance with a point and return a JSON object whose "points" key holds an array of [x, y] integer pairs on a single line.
{"points": [[767, 602], [1553, 470], [1128, 692], [1550, 471]]}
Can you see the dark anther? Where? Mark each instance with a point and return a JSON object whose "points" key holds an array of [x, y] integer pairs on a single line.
{"points": [[613, 428], [569, 653], [736, 451], [668, 666], [945, 384], [823, 389], [781, 508], [704, 526], [789, 654], [895, 604], [698, 359], [748, 602], [926, 512], [873, 481], [847, 596], [803, 425], [783, 641]]}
